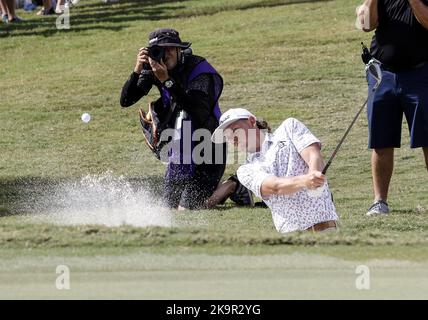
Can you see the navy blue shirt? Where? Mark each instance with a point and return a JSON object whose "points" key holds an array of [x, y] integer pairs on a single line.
{"points": [[400, 41]]}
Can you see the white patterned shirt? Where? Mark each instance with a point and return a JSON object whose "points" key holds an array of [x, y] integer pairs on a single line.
{"points": [[280, 157]]}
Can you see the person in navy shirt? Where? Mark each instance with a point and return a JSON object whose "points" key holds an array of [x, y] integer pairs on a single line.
{"points": [[400, 43]]}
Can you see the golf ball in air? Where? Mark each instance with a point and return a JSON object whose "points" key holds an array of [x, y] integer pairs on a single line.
{"points": [[86, 117]]}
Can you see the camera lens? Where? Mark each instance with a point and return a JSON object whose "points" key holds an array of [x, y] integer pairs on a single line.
{"points": [[156, 53]]}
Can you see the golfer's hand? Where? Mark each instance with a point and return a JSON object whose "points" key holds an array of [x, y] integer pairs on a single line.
{"points": [[142, 58], [314, 180], [160, 70]]}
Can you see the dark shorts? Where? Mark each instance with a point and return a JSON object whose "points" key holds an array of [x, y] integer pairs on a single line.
{"points": [[191, 193], [401, 93]]}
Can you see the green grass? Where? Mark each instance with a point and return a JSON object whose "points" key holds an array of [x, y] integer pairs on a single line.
{"points": [[278, 58], [169, 275]]}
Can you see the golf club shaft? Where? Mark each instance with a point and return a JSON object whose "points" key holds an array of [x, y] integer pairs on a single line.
{"points": [[373, 68], [324, 171]]}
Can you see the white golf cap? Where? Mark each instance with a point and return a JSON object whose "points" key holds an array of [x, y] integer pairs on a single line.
{"points": [[227, 118]]}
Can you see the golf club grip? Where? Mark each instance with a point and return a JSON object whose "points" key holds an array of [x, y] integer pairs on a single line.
{"points": [[324, 171]]}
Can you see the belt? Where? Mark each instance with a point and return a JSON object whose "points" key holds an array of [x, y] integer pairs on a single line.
{"points": [[323, 226]]}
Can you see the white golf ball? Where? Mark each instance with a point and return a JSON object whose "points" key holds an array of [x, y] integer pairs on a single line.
{"points": [[86, 117]]}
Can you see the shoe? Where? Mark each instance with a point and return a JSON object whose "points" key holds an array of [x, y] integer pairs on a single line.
{"points": [[44, 12], [15, 19], [242, 196], [260, 204], [30, 7], [59, 9], [378, 208]]}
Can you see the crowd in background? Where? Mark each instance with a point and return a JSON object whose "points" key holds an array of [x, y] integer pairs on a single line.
{"points": [[45, 7]]}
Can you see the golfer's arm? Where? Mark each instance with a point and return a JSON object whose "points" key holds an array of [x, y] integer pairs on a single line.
{"points": [[312, 156], [281, 185], [421, 12], [372, 15]]}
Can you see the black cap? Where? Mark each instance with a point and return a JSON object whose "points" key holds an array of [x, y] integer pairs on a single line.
{"points": [[167, 38]]}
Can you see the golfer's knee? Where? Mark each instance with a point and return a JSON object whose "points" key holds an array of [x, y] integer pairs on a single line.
{"points": [[385, 152], [231, 187]]}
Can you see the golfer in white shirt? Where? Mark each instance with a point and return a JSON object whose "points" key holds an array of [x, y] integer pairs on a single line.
{"points": [[282, 169]]}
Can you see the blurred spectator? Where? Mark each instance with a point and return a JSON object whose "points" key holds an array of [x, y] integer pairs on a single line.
{"points": [[8, 11], [48, 7], [29, 5], [59, 6], [400, 43]]}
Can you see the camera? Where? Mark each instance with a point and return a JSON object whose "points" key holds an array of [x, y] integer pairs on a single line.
{"points": [[157, 53]]}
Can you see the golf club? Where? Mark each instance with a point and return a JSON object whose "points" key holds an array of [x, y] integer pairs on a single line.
{"points": [[372, 68]]}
